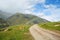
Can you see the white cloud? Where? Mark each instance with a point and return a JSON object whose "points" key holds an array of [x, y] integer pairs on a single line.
{"points": [[26, 6], [50, 6], [14, 5], [17, 5], [55, 13]]}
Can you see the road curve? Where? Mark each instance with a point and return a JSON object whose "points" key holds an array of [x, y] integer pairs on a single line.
{"points": [[43, 34]]}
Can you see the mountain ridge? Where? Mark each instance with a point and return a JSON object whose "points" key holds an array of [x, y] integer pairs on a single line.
{"points": [[20, 18]]}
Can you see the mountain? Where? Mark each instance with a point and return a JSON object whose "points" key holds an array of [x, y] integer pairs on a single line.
{"points": [[20, 18], [13, 29], [4, 15]]}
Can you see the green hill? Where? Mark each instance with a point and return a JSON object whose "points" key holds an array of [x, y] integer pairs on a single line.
{"points": [[51, 26], [19, 18], [17, 32]]}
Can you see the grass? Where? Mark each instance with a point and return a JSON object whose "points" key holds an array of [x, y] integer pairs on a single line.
{"points": [[51, 25], [19, 32]]}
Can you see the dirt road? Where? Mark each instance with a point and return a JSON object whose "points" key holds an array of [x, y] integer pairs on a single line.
{"points": [[43, 34]]}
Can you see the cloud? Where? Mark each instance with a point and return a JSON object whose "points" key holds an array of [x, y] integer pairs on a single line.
{"points": [[49, 12], [17, 5], [14, 5]]}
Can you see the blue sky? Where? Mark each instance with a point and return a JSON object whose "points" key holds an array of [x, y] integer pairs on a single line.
{"points": [[47, 9]]}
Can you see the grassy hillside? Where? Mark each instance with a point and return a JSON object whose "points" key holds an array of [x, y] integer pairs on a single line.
{"points": [[51, 25], [19, 18], [18, 32]]}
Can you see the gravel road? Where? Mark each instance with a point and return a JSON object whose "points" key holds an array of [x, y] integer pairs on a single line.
{"points": [[43, 34]]}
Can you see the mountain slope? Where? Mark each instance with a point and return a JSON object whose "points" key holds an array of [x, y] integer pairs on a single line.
{"points": [[19, 18]]}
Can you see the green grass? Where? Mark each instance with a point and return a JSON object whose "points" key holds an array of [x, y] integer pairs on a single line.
{"points": [[51, 25], [19, 32]]}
